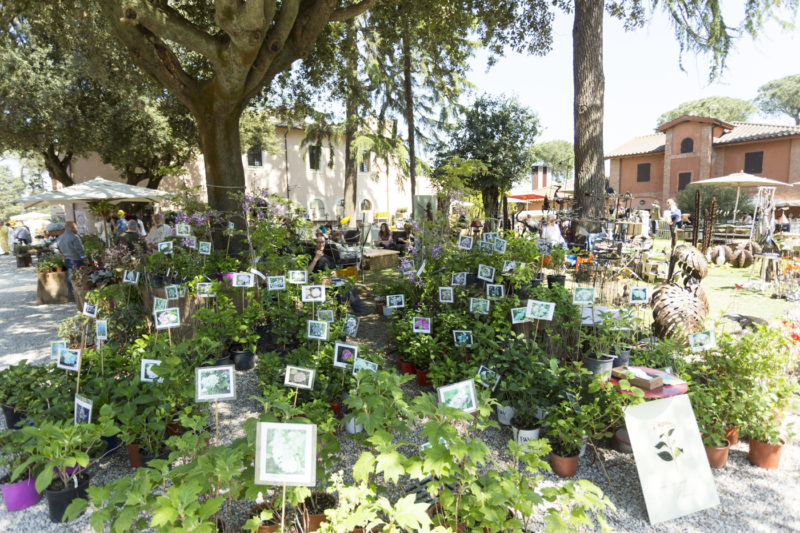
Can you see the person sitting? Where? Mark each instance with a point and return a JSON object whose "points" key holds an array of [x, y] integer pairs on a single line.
{"points": [[319, 250], [385, 239], [551, 233], [131, 236], [405, 239], [748, 219], [159, 231]]}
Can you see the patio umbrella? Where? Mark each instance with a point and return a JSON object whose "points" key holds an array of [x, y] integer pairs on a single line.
{"points": [[95, 190], [30, 216], [739, 180]]}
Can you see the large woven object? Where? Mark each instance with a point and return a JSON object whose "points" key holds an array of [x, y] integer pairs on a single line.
{"points": [[678, 310], [720, 254], [691, 261]]}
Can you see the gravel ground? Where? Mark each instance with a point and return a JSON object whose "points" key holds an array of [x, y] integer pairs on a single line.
{"points": [[751, 499]]}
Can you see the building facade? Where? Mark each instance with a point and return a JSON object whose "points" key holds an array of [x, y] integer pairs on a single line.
{"points": [[688, 149]]}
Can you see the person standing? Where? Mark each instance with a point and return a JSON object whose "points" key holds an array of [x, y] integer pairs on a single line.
{"points": [[159, 231], [674, 214], [131, 237], [71, 247], [4, 238], [23, 234]]}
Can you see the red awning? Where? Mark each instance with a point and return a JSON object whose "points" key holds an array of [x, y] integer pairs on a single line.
{"points": [[528, 196]]}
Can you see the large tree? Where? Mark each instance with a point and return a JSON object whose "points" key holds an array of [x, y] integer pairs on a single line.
{"points": [[722, 108], [781, 96], [558, 155], [11, 188], [498, 132]]}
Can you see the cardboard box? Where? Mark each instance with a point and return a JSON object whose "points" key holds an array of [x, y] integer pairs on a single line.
{"points": [[645, 384]]}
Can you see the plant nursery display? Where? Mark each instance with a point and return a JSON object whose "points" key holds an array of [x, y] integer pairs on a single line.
{"points": [[286, 454], [215, 383], [300, 378]]}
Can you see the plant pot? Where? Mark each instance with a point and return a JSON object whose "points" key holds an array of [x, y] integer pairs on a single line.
{"points": [[764, 455], [243, 360], [556, 279], [12, 416], [435, 512], [521, 436], [351, 427], [504, 414], [112, 443], [717, 457], [422, 378], [622, 441], [379, 308], [59, 500], [601, 367], [622, 358], [405, 368], [312, 522], [270, 528], [139, 458], [564, 466], [733, 435], [20, 495], [387, 311], [223, 361], [23, 261]]}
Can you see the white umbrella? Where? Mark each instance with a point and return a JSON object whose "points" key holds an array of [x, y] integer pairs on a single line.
{"points": [[739, 180], [30, 216], [95, 190]]}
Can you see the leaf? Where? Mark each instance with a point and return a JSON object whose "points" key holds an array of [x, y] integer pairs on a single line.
{"points": [[666, 456], [163, 516], [363, 467], [660, 444]]}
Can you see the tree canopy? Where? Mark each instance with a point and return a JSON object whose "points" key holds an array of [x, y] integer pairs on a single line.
{"points": [[726, 199], [11, 187], [723, 108], [781, 96], [558, 155]]}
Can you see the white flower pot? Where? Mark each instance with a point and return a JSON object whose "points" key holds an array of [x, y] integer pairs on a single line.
{"points": [[521, 436], [351, 426], [504, 414]]}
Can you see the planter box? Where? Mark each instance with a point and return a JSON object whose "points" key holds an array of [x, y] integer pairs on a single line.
{"points": [[51, 288], [654, 383]]}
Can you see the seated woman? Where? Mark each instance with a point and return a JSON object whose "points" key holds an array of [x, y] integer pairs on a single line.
{"points": [[385, 238], [405, 239], [551, 233]]}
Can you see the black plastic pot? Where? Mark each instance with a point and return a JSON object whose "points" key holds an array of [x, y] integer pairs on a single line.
{"points": [[146, 458], [59, 500], [222, 361], [472, 280], [12, 416], [244, 359], [622, 358], [556, 279]]}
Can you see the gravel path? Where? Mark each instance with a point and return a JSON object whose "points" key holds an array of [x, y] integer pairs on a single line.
{"points": [[752, 499]]}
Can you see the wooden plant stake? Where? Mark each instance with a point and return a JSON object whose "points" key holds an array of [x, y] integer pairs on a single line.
{"points": [[296, 393], [169, 336], [283, 508]]}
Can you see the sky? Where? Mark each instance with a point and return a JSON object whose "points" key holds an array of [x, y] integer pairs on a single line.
{"points": [[642, 73]]}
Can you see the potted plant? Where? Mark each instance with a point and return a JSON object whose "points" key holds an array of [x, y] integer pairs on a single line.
{"points": [[19, 491], [766, 427], [708, 404], [558, 255]]}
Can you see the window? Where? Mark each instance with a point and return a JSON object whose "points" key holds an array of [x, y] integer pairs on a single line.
{"points": [[687, 146], [366, 205], [254, 157], [364, 165], [643, 172], [753, 162], [684, 179], [314, 157], [317, 209]]}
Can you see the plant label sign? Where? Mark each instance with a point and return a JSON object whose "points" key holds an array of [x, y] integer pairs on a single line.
{"points": [[396, 300], [488, 377], [344, 354], [204, 248], [214, 383], [500, 245], [479, 306], [538, 310], [465, 242], [101, 330], [286, 454], [299, 377], [317, 330], [350, 327], [458, 279], [172, 292], [168, 318], [363, 364], [182, 230], [130, 276], [519, 315], [90, 310], [446, 295], [486, 273], [638, 295], [583, 296], [69, 359], [422, 324], [312, 293], [55, 349], [325, 315], [462, 338], [244, 279], [486, 247], [204, 290], [146, 374], [83, 410], [159, 304], [165, 247], [700, 342], [298, 277], [276, 283], [495, 291], [459, 395]]}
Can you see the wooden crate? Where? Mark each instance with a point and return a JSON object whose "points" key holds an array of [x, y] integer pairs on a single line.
{"points": [[51, 288], [654, 383]]}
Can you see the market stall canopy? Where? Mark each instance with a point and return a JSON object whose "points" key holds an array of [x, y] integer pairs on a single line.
{"points": [[527, 197], [739, 180], [95, 190], [24, 217]]}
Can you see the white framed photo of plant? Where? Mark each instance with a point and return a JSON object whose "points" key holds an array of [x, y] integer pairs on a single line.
{"points": [[82, 413], [486, 247], [299, 377], [538, 310], [317, 330], [446, 295], [490, 237], [312, 293], [350, 326], [286, 454], [276, 283], [69, 359], [459, 395], [462, 338], [486, 273], [55, 349], [421, 324], [182, 230], [146, 373], [488, 377], [705, 340], [204, 290], [396, 300], [171, 292], [479, 306], [495, 291], [325, 315], [583, 296], [458, 279], [500, 245], [298, 277], [130, 276], [362, 364], [465, 242], [101, 330], [90, 310], [204, 248], [244, 279], [214, 383], [168, 318], [165, 247], [638, 295], [159, 304], [344, 354], [519, 315]]}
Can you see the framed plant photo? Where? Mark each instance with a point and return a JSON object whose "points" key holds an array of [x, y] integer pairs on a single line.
{"points": [[519, 315], [362, 364], [312, 293], [183, 230], [298, 277], [490, 237], [479, 306], [168, 318], [276, 283], [344, 354], [130, 276], [350, 326], [446, 295], [422, 324], [486, 247], [488, 377], [317, 330], [500, 245], [458, 279], [486, 273], [638, 295], [244, 279], [204, 290], [583, 296], [171, 292], [190, 242], [204, 248], [181, 291], [462, 338], [299, 377], [101, 330], [82, 413], [214, 383], [705, 340], [69, 359], [90, 310], [146, 374], [396, 300], [538, 310], [465, 242], [495, 291], [286, 454], [325, 315], [459, 395], [509, 267], [159, 304], [165, 247], [55, 349]]}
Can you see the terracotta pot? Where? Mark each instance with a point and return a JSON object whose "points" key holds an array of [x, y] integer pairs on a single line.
{"points": [[564, 466], [405, 368], [733, 435], [422, 378], [435, 512], [765, 455], [717, 457]]}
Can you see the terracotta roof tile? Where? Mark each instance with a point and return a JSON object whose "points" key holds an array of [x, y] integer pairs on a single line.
{"points": [[751, 131], [646, 144]]}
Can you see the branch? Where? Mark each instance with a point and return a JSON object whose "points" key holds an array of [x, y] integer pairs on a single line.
{"points": [[273, 45], [344, 13]]}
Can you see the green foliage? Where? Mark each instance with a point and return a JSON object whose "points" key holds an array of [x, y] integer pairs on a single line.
{"points": [[11, 188], [726, 199], [722, 108], [558, 155], [781, 96]]}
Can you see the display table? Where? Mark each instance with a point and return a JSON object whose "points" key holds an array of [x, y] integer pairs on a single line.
{"points": [[378, 258], [673, 385]]}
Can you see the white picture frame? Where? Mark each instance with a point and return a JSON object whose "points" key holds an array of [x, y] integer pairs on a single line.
{"points": [[421, 324], [159, 304], [495, 291], [183, 230], [488, 378], [702, 341], [214, 383], [297, 277], [350, 326], [181, 291], [243, 279], [165, 247], [89, 310], [204, 290], [317, 330], [276, 283], [462, 338], [130, 276], [490, 237], [312, 293], [190, 242], [486, 247], [82, 410], [458, 279], [101, 330], [459, 395], [539, 310], [486, 273], [395, 300], [167, 318], [446, 295], [465, 242], [145, 373], [325, 315], [509, 267], [286, 454], [363, 364], [204, 248], [344, 354], [639, 295], [519, 315], [479, 306], [299, 378], [69, 359], [500, 245], [583, 295], [172, 292], [55, 349]]}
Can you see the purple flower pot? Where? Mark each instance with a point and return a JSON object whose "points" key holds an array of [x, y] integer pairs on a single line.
{"points": [[20, 495]]}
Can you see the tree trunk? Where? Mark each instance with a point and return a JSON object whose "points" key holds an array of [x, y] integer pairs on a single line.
{"points": [[589, 82], [57, 168], [350, 127], [409, 116], [490, 209]]}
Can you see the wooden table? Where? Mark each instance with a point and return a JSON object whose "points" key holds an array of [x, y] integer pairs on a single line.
{"points": [[378, 258]]}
